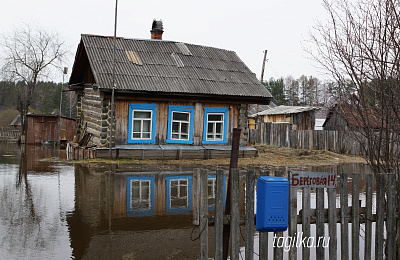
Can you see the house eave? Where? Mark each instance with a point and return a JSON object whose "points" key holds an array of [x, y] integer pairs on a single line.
{"points": [[188, 96]]}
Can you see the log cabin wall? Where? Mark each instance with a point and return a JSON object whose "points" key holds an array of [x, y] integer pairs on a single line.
{"points": [[122, 119], [91, 108]]}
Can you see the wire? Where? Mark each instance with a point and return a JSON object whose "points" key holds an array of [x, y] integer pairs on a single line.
{"points": [[191, 235]]}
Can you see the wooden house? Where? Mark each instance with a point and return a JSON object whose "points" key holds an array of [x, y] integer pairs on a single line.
{"points": [[166, 92], [299, 117], [44, 128], [344, 117]]}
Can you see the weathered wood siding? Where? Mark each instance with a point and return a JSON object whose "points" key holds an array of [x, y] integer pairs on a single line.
{"points": [[122, 119], [300, 121], [44, 128], [335, 122], [280, 135]]}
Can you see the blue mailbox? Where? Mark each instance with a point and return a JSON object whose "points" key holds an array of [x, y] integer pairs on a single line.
{"points": [[272, 204]]}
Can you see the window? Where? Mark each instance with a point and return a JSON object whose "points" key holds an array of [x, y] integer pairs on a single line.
{"points": [[179, 194], [211, 191], [140, 196], [180, 124], [142, 123], [215, 125]]}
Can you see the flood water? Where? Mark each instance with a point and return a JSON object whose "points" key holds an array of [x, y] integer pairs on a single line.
{"points": [[54, 209]]}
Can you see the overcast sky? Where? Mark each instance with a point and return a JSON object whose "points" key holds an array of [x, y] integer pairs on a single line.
{"points": [[246, 27]]}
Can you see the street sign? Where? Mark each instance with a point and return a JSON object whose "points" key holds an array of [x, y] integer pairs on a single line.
{"points": [[299, 179]]}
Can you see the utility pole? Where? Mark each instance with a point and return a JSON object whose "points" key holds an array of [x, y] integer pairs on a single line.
{"points": [[65, 71], [263, 66], [111, 128]]}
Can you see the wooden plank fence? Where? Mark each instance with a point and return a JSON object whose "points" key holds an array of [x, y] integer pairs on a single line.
{"points": [[280, 135], [9, 134], [375, 212]]}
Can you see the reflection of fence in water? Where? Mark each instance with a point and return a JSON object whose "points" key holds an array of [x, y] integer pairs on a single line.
{"points": [[9, 133], [341, 222]]}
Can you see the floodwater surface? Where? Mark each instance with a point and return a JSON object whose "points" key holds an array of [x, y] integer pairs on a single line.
{"points": [[53, 209]]}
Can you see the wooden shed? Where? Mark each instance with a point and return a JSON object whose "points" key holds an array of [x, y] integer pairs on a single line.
{"points": [[166, 92], [300, 117], [43, 128]]}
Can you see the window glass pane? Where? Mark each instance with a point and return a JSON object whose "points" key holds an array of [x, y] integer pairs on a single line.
{"points": [[145, 193], [218, 137], [185, 128], [146, 135], [135, 189], [210, 128], [146, 125], [180, 116], [175, 136], [183, 191], [218, 128], [215, 117], [136, 126], [146, 184], [184, 137], [174, 191], [179, 203], [210, 136], [142, 114], [175, 127], [136, 135]]}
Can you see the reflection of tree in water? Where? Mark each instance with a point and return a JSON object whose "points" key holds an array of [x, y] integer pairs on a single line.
{"points": [[26, 223]]}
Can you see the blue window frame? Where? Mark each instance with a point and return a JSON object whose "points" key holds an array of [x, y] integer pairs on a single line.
{"points": [[179, 194], [142, 123], [140, 196], [215, 125], [180, 124]]}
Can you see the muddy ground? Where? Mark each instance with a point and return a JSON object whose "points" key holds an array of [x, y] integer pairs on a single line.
{"points": [[267, 156]]}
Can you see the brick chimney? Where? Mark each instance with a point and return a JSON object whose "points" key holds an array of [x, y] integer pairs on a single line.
{"points": [[157, 30]]}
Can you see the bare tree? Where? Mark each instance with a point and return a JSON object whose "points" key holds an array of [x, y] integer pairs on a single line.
{"points": [[29, 55], [359, 46]]}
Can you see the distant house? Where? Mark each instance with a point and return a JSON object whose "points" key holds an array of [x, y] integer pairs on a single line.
{"points": [[344, 117], [300, 117], [16, 123], [166, 92]]}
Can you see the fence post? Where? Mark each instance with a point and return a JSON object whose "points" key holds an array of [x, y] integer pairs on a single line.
{"points": [[368, 218], [263, 243], [293, 219], [320, 223], [204, 214], [332, 223], [250, 178], [355, 222], [219, 213], [380, 202], [235, 215], [391, 217], [344, 221], [306, 220], [278, 251]]}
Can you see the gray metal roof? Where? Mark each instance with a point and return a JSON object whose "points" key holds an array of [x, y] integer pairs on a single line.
{"points": [[168, 67], [284, 110]]}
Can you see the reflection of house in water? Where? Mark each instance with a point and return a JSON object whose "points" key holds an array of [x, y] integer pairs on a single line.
{"points": [[146, 210], [178, 194]]}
